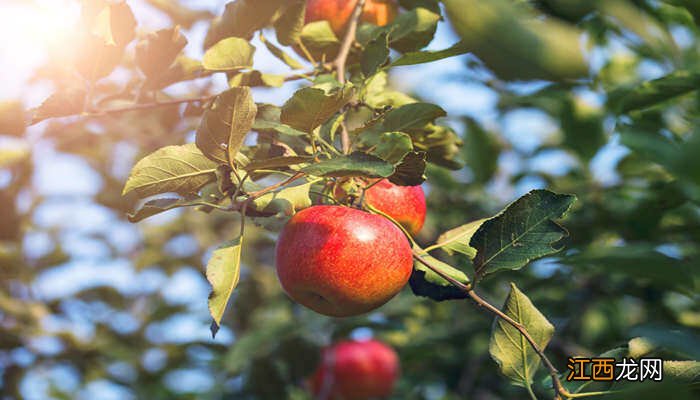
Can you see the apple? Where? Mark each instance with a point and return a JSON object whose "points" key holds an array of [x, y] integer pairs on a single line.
{"points": [[338, 12], [356, 370], [341, 261], [405, 204]]}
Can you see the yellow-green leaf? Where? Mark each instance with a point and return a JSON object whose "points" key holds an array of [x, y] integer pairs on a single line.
{"points": [[230, 54], [179, 169], [223, 273], [514, 355], [225, 124]]}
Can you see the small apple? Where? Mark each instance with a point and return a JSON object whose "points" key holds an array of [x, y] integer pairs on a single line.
{"points": [[356, 370], [341, 261], [405, 204], [338, 12]]}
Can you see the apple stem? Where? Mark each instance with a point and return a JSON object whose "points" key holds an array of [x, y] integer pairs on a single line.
{"points": [[342, 59], [559, 390]]}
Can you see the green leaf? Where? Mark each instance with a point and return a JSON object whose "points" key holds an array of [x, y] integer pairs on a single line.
{"points": [[377, 94], [225, 124], [517, 45], [123, 23], [319, 38], [157, 206], [441, 143], [685, 342], [481, 151], [60, 104], [524, 231], [183, 69], [413, 30], [411, 170], [355, 164], [514, 355], [281, 54], [389, 146], [286, 201], [223, 273], [415, 115], [582, 125], [291, 23], [311, 107], [256, 78], [230, 54], [422, 57], [12, 118], [641, 263], [277, 162], [426, 283], [268, 120], [679, 157], [457, 239], [376, 54], [331, 127], [179, 169], [650, 93], [256, 343], [158, 51], [242, 18], [684, 371]]}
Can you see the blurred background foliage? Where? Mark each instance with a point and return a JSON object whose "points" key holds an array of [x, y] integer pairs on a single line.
{"points": [[594, 98]]}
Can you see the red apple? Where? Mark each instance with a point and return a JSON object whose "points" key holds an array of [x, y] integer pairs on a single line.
{"points": [[341, 261], [405, 204], [338, 12], [356, 370]]}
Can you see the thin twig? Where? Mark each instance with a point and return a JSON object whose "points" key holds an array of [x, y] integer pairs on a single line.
{"points": [[342, 59], [269, 189], [348, 40], [137, 107], [468, 289], [147, 106]]}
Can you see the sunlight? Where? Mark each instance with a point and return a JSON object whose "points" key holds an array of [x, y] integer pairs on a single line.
{"points": [[32, 32], [31, 28]]}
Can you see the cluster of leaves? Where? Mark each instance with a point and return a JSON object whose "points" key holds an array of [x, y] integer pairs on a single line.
{"points": [[629, 282], [393, 134]]}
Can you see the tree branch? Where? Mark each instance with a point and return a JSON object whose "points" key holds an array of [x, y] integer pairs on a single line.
{"points": [[147, 106], [468, 289], [134, 107], [342, 59]]}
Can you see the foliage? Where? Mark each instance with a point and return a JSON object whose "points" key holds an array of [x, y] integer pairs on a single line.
{"points": [[627, 280]]}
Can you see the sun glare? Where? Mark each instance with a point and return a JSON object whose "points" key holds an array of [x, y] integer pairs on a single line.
{"points": [[31, 28]]}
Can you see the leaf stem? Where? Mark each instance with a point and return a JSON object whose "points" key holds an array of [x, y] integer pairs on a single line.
{"points": [[530, 392], [431, 248], [468, 289]]}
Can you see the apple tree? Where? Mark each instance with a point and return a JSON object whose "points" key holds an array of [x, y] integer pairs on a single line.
{"points": [[287, 208]]}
